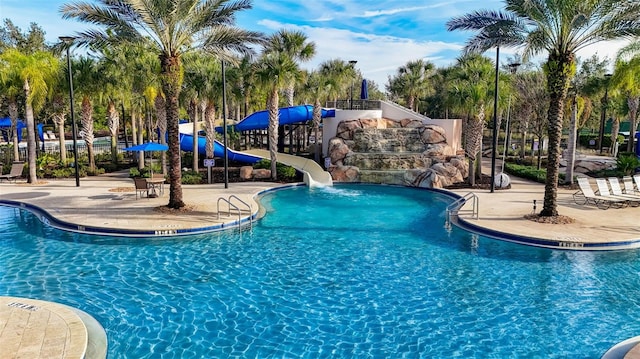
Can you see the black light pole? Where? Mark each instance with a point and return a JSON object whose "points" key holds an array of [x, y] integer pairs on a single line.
{"points": [[68, 40], [605, 104], [353, 64], [495, 125], [224, 128]]}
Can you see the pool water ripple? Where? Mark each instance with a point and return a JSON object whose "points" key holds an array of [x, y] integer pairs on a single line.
{"points": [[353, 271]]}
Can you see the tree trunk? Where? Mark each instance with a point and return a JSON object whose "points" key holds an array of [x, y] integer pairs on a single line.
{"points": [[193, 112], [31, 135], [87, 128], [634, 103], [171, 82], [274, 119], [615, 130], [317, 117], [210, 123], [161, 114], [114, 124], [571, 144], [559, 69], [13, 117]]}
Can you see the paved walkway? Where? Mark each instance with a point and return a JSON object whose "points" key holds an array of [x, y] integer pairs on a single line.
{"points": [[108, 202]]}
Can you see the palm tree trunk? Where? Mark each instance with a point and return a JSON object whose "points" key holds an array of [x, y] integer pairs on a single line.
{"points": [[274, 119], [571, 145], [87, 128], [13, 117], [615, 130], [559, 70], [634, 103], [114, 125], [161, 114], [31, 135], [209, 120], [317, 117], [170, 71]]}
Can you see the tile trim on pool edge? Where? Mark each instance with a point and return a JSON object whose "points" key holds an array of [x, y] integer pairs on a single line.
{"points": [[49, 220], [537, 242]]}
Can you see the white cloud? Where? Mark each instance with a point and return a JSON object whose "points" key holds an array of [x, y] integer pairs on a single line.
{"points": [[378, 56]]}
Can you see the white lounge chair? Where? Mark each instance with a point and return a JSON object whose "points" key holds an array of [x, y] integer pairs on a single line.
{"points": [[603, 190], [636, 179], [628, 185], [586, 196], [616, 190]]}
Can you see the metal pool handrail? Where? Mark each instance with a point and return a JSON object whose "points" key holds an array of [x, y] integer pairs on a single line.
{"points": [[233, 196], [455, 207], [231, 205]]}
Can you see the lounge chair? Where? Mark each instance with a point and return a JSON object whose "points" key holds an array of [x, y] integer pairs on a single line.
{"points": [[15, 173], [52, 136], [616, 190], [636, 179], [586, 196], [628, 185], [141, 186], [603, 191]]}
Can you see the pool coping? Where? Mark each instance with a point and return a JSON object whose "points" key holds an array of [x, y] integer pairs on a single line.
{"points": [[52, 221], [474, 226]]}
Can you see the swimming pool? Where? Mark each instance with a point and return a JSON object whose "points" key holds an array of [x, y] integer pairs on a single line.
{"points": [[352, 271]]}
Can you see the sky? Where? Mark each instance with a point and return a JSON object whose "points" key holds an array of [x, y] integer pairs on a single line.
{"points": [[380, 35]]}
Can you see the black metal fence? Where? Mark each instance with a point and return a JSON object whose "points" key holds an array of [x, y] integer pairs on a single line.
{"points": [[355, 104]]}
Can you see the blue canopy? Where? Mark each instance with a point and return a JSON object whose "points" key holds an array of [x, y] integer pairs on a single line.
{"points": [[5, 124], [148, 146]]}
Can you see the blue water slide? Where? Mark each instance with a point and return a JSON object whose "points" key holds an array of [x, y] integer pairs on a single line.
{"points": [[288, 115], [186, 144]]}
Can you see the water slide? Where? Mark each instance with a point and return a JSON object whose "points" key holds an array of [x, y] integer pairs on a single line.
{"points": [[288, 115], [314, 175]]}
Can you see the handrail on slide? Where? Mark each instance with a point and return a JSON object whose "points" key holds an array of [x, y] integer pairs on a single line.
{"points": [[231, 205], [454, 209]]}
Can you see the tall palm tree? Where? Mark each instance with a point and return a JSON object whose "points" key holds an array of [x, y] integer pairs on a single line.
{"points": [[174, 27], [627, 77], [85, 72], [341, 74], [275, 70], [414, 79], [471, 91], [561, 28], [294, 45], [34, 73]]}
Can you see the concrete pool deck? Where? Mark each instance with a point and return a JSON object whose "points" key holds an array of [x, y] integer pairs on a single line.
{"points": [[107, 204]]}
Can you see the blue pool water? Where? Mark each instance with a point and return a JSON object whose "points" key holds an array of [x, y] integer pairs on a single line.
{"points": [[351, 272]]}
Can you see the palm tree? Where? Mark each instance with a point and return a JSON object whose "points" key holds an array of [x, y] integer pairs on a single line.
{"points": [[340, 73], [413, 79], [294, 45], [560, 28], [85, 72], [627, 77], [275, 70], [34, 73], [174, 27], [471, 91]]}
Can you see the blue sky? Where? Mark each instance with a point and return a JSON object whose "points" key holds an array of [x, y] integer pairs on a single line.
{"points": [[381, 35]]}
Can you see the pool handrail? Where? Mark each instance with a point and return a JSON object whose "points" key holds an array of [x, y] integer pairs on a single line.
{"points": [[455, 207]]}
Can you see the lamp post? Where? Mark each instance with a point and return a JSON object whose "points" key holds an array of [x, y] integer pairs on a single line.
{"points": [[495, 124], [68, 40], [353, 64], [603, 119]]}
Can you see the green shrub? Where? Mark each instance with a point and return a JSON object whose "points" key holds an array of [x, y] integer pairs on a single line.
{"points": [[192, 177], [283, 171], [529, 172], [134, 172], [627, 164]]}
